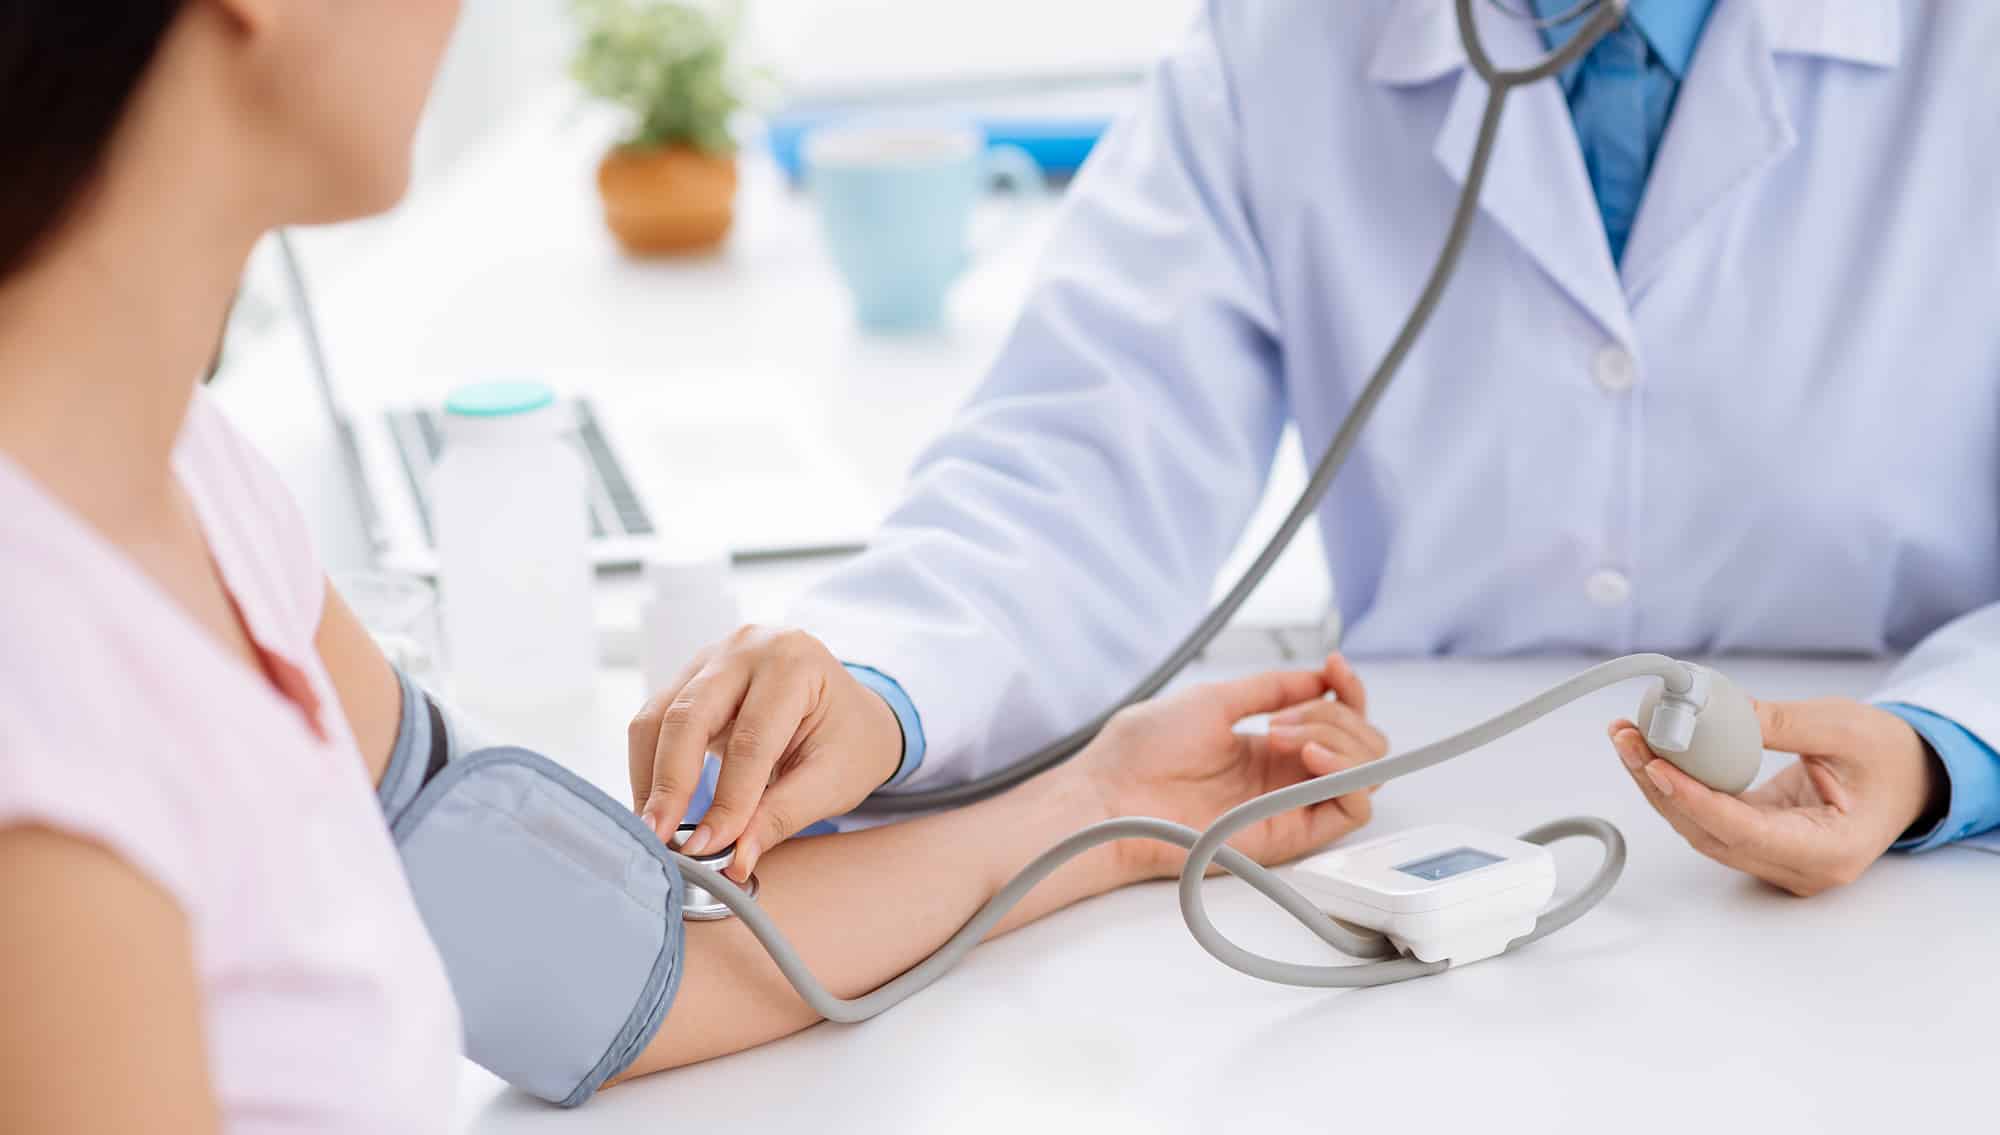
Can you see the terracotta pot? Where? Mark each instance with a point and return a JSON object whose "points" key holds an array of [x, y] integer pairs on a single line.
{"points": [[667, 200]]}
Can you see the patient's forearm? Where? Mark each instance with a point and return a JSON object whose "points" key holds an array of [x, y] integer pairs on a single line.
{"points": [[865, 906]]}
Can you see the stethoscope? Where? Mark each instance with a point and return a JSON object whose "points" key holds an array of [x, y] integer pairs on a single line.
{"points": [[1694, 717], [698, 903], [1604, 15]]}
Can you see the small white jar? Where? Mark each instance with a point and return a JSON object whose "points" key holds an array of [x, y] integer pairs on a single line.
{"points": [[690, 603]]}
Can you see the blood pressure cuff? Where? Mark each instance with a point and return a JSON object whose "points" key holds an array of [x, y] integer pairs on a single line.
{"points": [[557, 912]]}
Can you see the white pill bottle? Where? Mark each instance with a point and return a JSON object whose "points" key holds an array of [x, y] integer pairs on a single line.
{"points": [[509, 503], [693, 604]]}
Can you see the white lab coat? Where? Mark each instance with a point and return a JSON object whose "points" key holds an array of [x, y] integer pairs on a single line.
{"points": [[1775, 428]]}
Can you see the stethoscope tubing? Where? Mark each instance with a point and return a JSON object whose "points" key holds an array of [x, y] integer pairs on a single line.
{"points": [[1209, 847], [1500, 82]]}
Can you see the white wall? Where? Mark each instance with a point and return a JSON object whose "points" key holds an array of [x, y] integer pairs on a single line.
{"points": [[841, 41], [506, 50]]}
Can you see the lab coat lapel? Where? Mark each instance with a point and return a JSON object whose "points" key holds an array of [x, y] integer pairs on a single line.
{"points": [[1537, 188], [1729, 125]]}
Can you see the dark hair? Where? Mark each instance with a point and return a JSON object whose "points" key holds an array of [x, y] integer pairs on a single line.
{"points": [[67, 69]]}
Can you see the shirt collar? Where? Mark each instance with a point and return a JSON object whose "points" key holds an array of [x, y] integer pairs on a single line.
{"points": [[1419, 42], [1672, 29]]}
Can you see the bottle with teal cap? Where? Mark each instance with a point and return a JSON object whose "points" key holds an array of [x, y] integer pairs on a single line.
{"points": [[510, 509]]}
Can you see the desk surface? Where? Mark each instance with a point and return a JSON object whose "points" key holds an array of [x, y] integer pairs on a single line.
{"points": [[1693, 999]]}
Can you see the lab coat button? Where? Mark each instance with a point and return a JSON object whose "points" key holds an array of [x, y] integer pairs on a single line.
{"points": [[1608, 588], [1616, 369]]}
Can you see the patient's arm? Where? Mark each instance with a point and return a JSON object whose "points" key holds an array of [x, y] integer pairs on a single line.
{"points": [[100, 1007], [865, 906]]}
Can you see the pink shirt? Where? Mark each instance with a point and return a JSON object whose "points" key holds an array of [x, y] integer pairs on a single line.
{"points": [[123, 721]]}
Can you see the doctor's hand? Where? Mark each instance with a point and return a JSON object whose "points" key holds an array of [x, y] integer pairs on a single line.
{"points": [[800, 740], [1180, 758], [1862, 778]]}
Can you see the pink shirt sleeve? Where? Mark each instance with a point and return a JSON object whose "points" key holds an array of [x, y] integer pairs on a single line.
{"points": [[83, 747], [121, 805], [234, 785]]}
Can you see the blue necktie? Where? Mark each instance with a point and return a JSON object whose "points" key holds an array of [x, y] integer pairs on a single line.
{"points": [[1620, 98]]}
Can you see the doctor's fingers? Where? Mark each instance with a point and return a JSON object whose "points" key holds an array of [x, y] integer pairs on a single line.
{"points": [[1805, 849], [1638, 758], [683, 724], [642, 734], [1717, 825], [809, 791], [764, 730]]}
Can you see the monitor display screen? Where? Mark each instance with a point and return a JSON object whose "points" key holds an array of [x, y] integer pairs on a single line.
{"points": [[1445, 864]]}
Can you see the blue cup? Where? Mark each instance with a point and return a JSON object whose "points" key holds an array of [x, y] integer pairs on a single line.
{"points": [[896, 203]]}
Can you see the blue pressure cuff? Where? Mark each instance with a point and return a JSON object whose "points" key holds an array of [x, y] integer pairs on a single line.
{"points": [[1972, 772], [423, 745], [906, 718], [556, 911]]}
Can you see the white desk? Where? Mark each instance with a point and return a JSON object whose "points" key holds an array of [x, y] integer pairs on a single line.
{"points": [[1692, 1000]]}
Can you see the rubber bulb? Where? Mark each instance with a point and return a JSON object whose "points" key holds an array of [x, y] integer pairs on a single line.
{"points": [[1728, 746]]}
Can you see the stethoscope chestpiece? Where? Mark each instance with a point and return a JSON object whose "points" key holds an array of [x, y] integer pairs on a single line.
{"points": [[698, 903]]}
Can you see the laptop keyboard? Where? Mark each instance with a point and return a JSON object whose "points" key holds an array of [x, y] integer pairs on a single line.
{"points": [[615, 511]]}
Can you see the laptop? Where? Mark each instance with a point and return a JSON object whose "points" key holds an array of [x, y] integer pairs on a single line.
{"points": [[665, 470], [661, 473]]}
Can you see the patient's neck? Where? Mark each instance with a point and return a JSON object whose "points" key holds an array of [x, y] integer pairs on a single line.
{"points": [[104, 338]]}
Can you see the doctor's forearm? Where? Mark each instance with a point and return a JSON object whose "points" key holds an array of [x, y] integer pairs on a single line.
{"points": [[863, 907]]}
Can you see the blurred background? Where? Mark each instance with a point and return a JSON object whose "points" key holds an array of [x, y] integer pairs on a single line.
{"points": [[507, 54], [506, 50], [757, 343]]}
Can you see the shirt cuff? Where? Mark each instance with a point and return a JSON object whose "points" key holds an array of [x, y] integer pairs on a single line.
{"points": [[1972, 774], [906, 719]]}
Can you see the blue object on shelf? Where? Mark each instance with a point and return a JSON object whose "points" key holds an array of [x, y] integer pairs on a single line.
{"points": [[1058, 145]]}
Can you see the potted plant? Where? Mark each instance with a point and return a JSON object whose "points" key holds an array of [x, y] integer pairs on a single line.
{"points": [[669, 185]]}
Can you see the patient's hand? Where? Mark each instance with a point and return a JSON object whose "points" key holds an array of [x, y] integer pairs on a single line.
{"points": [[1180, 758]]}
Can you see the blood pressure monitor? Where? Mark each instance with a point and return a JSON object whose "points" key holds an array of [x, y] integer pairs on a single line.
{"points": [[1446, 892]]}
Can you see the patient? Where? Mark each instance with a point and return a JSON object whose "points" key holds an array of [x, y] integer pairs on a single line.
{"points": [[203, 921]]}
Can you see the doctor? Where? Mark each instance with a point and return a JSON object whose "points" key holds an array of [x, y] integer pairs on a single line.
{"points": [[1719, 373]]}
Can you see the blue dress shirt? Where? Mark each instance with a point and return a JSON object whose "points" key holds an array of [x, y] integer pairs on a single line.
{"points": [[889, 690], [1621, 96], [1972, 779]]}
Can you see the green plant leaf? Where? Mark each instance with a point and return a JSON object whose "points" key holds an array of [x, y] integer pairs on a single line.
{"points": [[671, 64]]}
